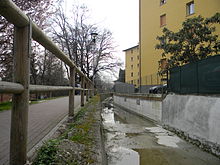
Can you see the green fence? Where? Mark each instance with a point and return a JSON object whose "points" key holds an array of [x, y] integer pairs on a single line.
{"points": [[202, 77]]}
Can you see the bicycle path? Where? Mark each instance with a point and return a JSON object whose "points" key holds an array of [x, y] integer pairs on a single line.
{"points": [[43, 117]]}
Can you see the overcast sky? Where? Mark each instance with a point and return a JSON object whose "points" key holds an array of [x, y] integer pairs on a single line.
{"points": [[121, 17]]}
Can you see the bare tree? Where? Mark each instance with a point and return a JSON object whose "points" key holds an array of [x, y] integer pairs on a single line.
{"points": [[64, 35], [103, 58], [50, 70], [73, 36], [38, 10]]}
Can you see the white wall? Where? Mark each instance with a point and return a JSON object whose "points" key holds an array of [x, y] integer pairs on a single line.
{"points": [[198, 116], [148, 108]]}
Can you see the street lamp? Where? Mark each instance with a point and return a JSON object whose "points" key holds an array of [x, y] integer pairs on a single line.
{"points": [[93, 41], [93, 37]]}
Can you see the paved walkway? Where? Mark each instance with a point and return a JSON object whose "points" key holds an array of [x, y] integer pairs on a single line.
{"points": [[42, 118]]}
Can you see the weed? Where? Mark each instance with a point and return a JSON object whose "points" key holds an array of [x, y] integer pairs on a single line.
{"points": [[82, 133], [47, 153]]}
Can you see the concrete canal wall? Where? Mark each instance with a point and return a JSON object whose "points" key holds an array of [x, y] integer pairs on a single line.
{"points": [[197, 118], [142, 105]]}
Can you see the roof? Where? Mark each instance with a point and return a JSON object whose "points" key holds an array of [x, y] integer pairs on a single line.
{"points": [[131, 48]]}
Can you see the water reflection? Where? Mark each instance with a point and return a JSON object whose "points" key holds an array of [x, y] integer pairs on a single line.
{"points": [[125, 156], [125, 134], [125, 117]]}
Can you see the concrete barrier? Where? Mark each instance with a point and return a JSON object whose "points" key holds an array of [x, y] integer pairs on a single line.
{"points": [[151, 108], [103, 96], [194, 118], [198, 117]]}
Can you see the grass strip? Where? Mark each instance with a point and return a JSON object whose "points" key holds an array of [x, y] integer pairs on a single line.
{"points": [[5, 106], [8, 105], [81, 133]]}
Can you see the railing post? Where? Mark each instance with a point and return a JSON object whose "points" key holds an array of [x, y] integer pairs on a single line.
{"points": [[82, 91], [19, 113], [90, 92], [87, 91], [50, 95], [93, 90], [72, 92]]}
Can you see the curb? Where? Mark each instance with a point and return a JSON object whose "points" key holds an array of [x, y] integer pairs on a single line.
{"points": [[32, 153]]}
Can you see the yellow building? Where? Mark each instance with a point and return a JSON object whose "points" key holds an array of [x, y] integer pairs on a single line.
{"points": [[132, 65], [157, 14]]}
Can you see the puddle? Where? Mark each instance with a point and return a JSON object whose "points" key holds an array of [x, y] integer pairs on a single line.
{"points": [[164, 137], [124, 156], [108, 115], [126, 137], [132, 140]]}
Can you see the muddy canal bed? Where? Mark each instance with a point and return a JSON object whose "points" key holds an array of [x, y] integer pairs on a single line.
{"points": [[133, 140]]}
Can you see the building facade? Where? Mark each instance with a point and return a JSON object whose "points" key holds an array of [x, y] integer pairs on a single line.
{"points": [[157, 14], [132, 65]]}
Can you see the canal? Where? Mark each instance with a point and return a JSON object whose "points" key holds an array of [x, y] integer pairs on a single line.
{"points": [[133, 140]]}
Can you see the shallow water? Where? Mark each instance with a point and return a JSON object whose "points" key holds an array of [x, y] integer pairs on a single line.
{"points": [[133, 140]]}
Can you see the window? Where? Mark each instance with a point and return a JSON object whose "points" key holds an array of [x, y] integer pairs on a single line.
{"points": [[132, 81], [138, 57], [163, 20], [131, 58], [132, 74], [131, 66], [138, 65], [190, 8], [131, 51], [162, 2]]}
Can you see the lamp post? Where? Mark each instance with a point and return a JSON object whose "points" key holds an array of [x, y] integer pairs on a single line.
{"points": [[93, 41]]}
